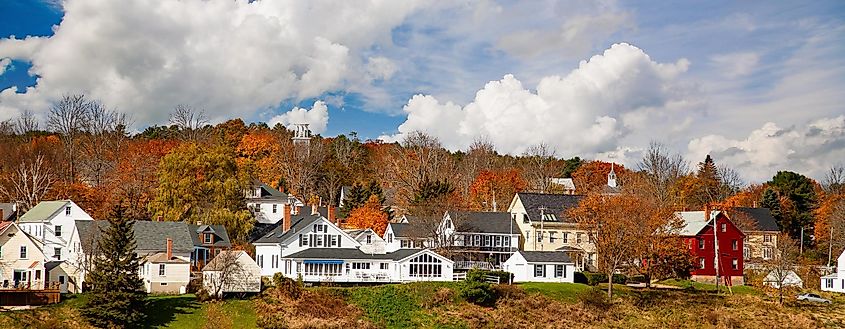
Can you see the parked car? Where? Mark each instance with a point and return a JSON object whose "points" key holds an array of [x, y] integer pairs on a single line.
{"points": [[813, 298]]}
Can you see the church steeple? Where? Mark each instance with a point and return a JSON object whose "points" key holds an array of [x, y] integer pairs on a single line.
{"points": [[611, 177]]}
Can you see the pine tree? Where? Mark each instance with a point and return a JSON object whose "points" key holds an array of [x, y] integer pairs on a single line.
{"points": [[117, 296], [770, 200]]}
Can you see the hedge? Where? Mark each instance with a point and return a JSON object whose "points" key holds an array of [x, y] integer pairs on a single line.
{"points": [[594, 279]]}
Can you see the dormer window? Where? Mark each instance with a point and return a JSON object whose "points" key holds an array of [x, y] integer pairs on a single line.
{"points": [[369, 239], [207, 238], [275, 208], [67, 211]]}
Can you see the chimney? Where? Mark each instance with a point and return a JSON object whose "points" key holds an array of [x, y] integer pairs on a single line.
{"points": [[298, 209], [314, 209], [332, 215], [169, 248], [1, 215], [158, 218], [706, 212], [286, 220]]}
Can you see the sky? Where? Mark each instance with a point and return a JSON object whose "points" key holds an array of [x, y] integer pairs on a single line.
{"points": [[758, 85]]}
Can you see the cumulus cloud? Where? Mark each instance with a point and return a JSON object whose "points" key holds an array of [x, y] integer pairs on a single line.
{"points": [[810, 149], [223, 56], [583, 113], [317, 117], [4, 62]]}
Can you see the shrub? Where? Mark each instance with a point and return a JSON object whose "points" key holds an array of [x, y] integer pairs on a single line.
{"points": [[595, 298], [442, 296], [638, 279], [479, 293], [580, 277], [594, 279], [203, 296], [480, 275]]}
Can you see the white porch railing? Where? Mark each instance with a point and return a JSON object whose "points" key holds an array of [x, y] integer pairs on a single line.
{"points": [[463, 276], [471, 264]]}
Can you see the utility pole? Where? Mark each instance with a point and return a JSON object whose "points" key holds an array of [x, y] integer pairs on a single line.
{"points": [[802, 240], [715, 245], [542, 219], [830, 244]]}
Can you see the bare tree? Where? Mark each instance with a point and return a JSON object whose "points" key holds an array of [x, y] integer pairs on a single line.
{"points": [[102, 142], [419, 159], [67, 118], [541, 166], [301, 165], [226, 273], [25, 123], [783, 263], [28, 183], [480, 156], [834, 180], [190, 122], [661, 171]]}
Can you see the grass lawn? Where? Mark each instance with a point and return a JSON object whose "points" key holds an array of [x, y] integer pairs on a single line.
{"points": [[565, 292], [183, 311]]}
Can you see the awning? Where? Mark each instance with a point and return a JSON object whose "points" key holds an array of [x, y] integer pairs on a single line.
{"points": [[322, 261]]}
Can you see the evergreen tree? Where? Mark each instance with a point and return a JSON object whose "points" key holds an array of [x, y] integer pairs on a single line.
{"points": [[358, 196], [117, 296], [770, 200], [708, 177], [799, 200]]}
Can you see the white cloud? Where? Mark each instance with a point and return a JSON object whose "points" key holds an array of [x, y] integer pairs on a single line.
{"points": [[226, 57], [381, 68], [583, 113], [809, 149], [317, 117], [735, 65], [4, 62], [573, 38]]}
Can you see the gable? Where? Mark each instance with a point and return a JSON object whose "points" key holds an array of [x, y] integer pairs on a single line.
{"points": [[44, 210]]}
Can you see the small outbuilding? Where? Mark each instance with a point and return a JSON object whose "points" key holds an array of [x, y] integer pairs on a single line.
{"points": [[540, 266], [790, 279], [232, 271]]}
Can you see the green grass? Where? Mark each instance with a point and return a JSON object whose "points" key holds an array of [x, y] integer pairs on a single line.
{"points": [[183, 311], [395, 305], [565, 292]]}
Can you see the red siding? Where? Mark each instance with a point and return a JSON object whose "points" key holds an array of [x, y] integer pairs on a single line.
{"points": [[726, 248]]}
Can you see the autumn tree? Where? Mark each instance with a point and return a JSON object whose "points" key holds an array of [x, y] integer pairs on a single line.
{"points": [[135, 178], [419, 159], [104, 136], [621, 227], [784, 261], [591, 176], [540, 166], [259, 149], [492, 190], [370, 215], [358, 196], [203, 184], [191, 124], [660, 172], [830, 214], [67, 118]]}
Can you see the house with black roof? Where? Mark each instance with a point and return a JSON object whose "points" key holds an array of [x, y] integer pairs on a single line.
{"points": [[476, 239], [317, 250], [761, 232], [267, 203], [545, 225], [540, 266]]}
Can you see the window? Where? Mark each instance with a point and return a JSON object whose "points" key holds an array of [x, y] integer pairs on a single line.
{"points": [[701, 263], [57, 253], [405, 243], [23, 252], [828, 283], [724, 227], [425, 265], [61, 279], [383, 266], [287, 266], [58, 230], [161, 269], [560, 271], [323, 269], [360, 266], [565, 237], [303, 239], [1, 251], [334, 239], [261, 261], [274, 261], [275, 208], [746, 252], [163, 283], [506, 241], [369, 239], [767, 238], [552, 237], [318, 240], [539, 271], [497, 241], [539, 236], [476, 240], [735, 244], [700, 243], [67, 211], [767, 252], [735, 264], [578, 238], [525, 218], [207, 238], [389, 237]]}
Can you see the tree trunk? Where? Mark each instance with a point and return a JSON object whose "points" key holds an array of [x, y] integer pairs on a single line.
{"points": [[610, 286], [780, 289]]}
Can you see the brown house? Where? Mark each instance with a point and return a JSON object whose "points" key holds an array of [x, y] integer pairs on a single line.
{"points": [[209, 241]]}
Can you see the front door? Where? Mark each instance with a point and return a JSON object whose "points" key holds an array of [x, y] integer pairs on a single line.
{"points": [[19, 277]]}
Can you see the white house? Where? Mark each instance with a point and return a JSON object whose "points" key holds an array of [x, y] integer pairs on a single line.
{"points": [[267, 203], [405, 235], [21, 259], [790, 279], [317, 250], [473, 237], [53, 223], [166, 273], [835, 281], [231, 271], [540, 266]]}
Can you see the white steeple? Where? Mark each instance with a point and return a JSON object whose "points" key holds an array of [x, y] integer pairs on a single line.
{"points": [[611, 177], [301, 134]]}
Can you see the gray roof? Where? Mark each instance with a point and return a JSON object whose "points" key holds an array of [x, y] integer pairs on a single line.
{"points": [[400, 229], [43, 210], [219, 231], [8, 210], [299, 222], [761, 217], [484, 222], [545, 256], [351, 253], [556, 204], [694, 221], [150, 236]]}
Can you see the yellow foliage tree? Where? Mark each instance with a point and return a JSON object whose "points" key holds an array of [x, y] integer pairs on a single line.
{"points": [[370, 215]]}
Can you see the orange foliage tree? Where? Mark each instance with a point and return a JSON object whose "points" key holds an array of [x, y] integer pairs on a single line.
{"points": [[495, 185], [592, 175], [370, 215], [258, 149]]}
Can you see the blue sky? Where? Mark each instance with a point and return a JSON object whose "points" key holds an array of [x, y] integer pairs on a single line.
{"points": [[754, 83]]}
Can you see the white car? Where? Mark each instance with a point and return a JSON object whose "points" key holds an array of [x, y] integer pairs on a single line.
{"points": [[812, 298]]}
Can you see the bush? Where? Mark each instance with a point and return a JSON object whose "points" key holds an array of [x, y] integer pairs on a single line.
{"points": [[479, 293], [594, 279], [480, 275], [595, 298], [580, 277], [203, 296], [638, 279]]}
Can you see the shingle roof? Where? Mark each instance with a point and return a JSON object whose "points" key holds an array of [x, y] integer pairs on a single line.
{"points": [[218, 231], [400, 229], [351, 253], [557, 204], [217, 263], [150, 236], [761, 217], [545, 256], [161, 257], [694, 221], [484, 222], [43, 210], [8, 211], [299, 222]]}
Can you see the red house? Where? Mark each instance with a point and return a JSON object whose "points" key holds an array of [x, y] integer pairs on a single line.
{"points": [[699, 237]]}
